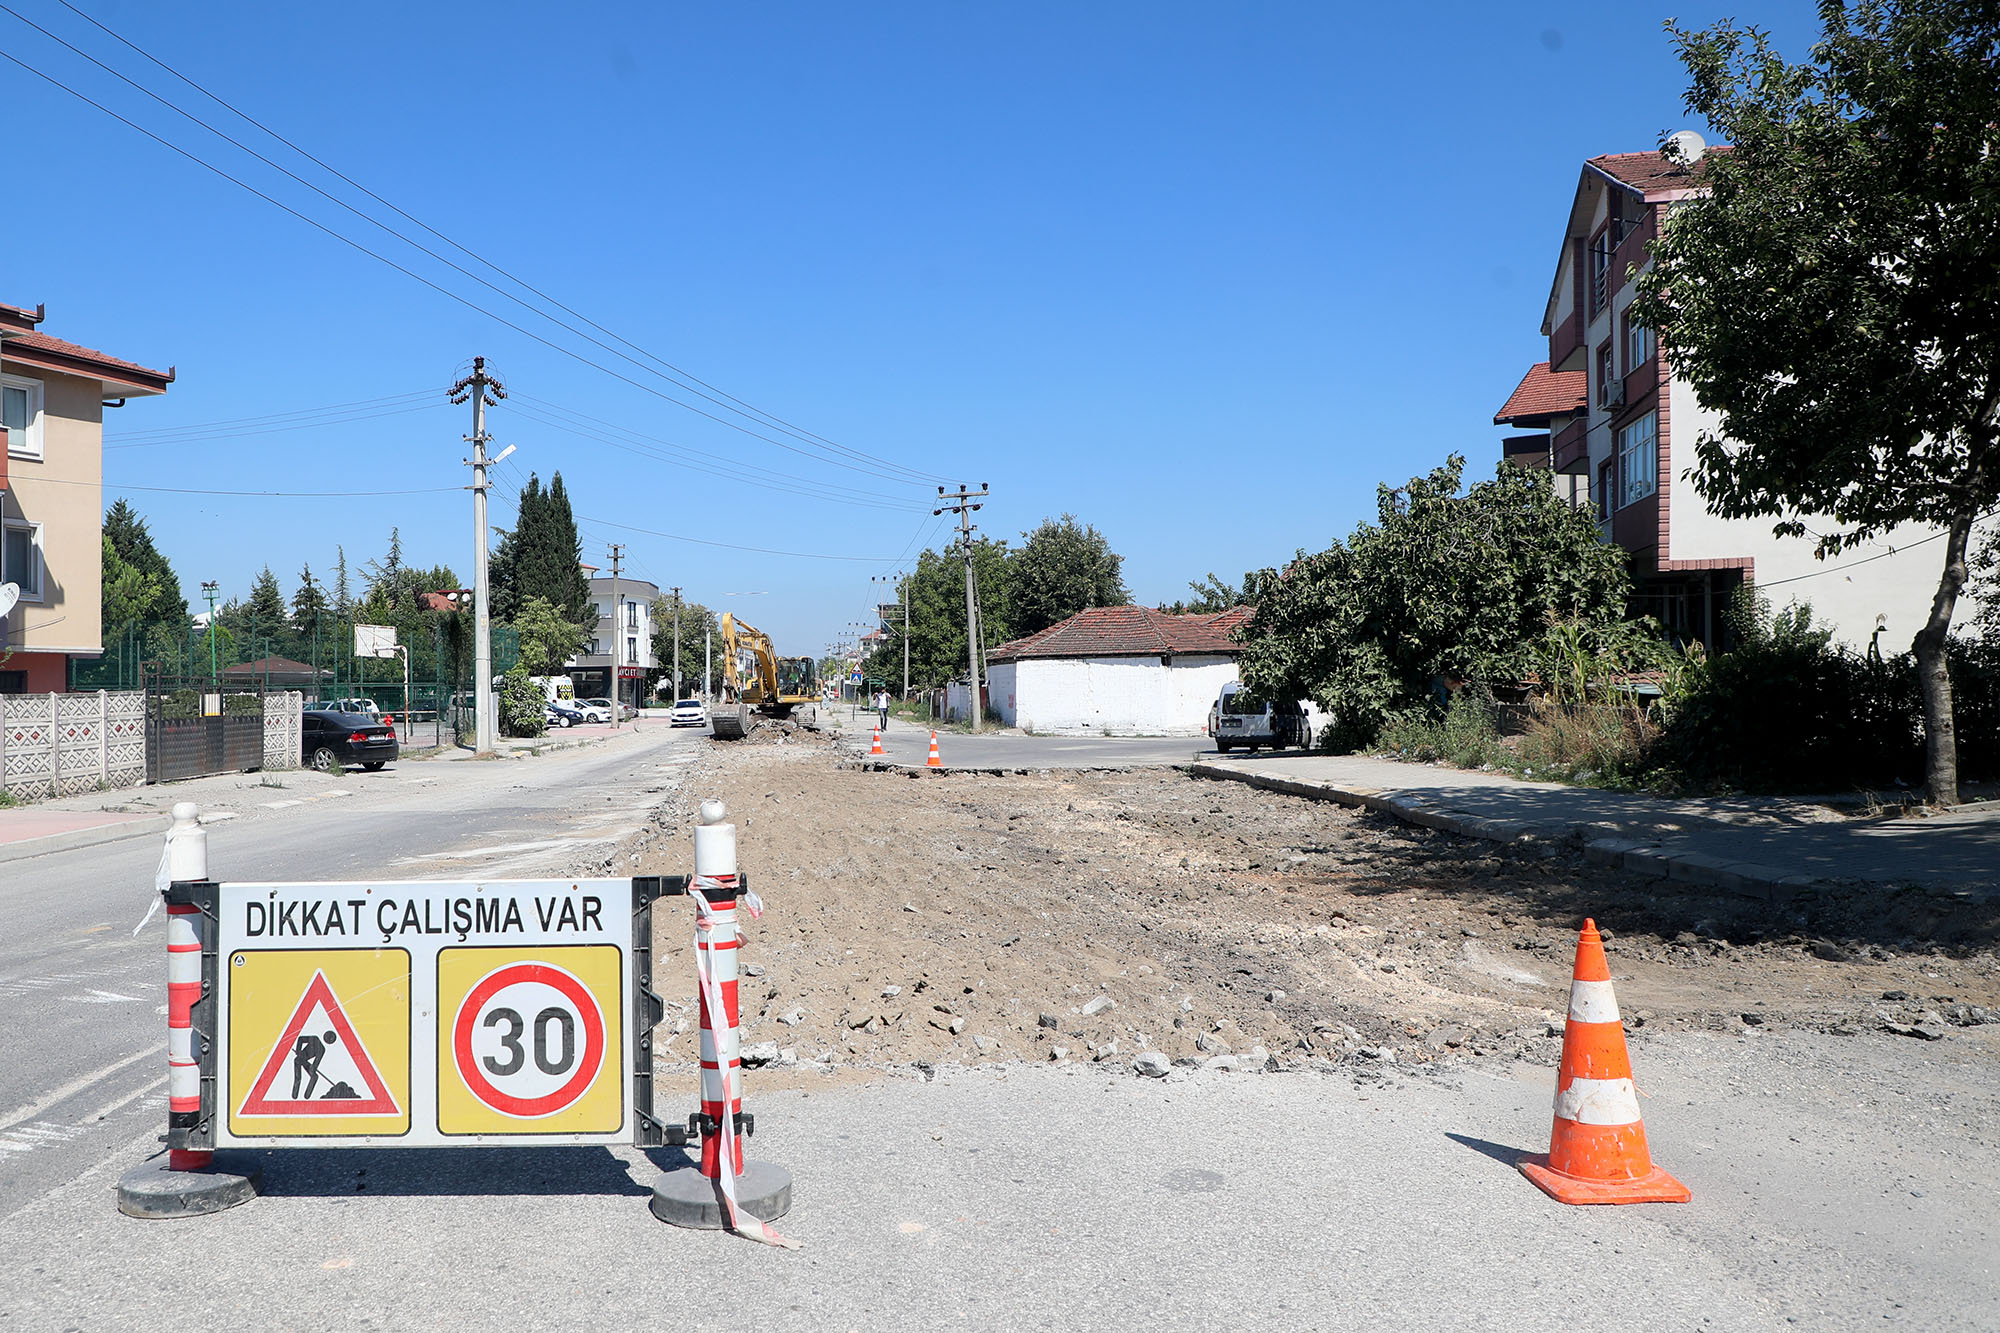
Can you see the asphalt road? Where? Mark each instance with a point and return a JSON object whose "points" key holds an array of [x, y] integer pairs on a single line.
{"points": [[1839, 1183], [82, 1050]]}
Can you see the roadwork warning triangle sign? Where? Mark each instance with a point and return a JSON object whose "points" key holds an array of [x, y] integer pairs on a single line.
{"points": [[319, 1066]]}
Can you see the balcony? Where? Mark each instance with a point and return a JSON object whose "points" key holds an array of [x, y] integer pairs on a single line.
{"points": [[1570, 450], [1566, 342]]}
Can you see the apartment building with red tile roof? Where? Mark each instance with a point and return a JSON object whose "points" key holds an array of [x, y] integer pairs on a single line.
{"points": [[1617, 427], [53, 394]]}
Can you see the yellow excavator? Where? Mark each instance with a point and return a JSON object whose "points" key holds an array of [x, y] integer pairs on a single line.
{"points": [[756, 680]]}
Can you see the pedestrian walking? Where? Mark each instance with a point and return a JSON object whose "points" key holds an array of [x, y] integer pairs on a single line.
{"points": [[882, 708]]}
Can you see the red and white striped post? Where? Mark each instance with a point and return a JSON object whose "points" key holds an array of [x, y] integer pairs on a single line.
{"points": [[718, 941], [187, 860], [726, 1190], [188, 1181]]}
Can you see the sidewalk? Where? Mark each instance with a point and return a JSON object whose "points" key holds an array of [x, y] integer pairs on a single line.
{"points": [[1768, 848]]}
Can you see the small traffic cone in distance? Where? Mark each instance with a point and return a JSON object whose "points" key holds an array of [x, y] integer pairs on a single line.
{"points": [[934, 761], [876, 748], [1597, 1148]]}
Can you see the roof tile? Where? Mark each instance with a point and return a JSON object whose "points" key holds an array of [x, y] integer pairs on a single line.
{"points": [[1541, 394], [1128, 631]]}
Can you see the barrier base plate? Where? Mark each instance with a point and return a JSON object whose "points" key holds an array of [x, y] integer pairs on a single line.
{"points": [[687, 1198], [152, 1189]]}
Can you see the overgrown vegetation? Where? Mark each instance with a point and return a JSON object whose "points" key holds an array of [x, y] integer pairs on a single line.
{"points": [[522, 705], [1447, 588]]}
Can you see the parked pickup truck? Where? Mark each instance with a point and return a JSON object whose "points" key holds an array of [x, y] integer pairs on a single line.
{"points": [[1241, 717]]}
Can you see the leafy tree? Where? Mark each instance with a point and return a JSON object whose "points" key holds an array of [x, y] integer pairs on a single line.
{"points": [[696, 621], [541, 557], [262, 623], [548, 637], [1442, 584], [343, 596], [1062, 568], [129, 592], [522, 705], [937, 615], [1832, 293], [126, 532], [1212, 596]]}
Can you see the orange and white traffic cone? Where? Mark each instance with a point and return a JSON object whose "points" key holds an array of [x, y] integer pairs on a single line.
{"points": [[876, 748], [1597, 1149], [934, 761]]}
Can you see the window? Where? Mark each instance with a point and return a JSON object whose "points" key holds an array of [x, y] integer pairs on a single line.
{"points": [[1605, 471], [21, 559], [1600, 270], [21, 412], [631, 615], [1638, 459], [1607, 376], [631, 651], [1638, 345]]}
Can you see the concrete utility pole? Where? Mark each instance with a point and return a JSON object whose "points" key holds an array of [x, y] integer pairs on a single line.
{"points": [[484, 391], [963, 507], [617, 635], [677, 645], [707, 662]]}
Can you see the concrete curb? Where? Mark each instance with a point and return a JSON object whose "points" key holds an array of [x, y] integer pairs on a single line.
{"points": [[1748, 879], [23, 848]]}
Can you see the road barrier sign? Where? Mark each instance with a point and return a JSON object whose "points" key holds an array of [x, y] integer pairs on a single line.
{"points": [[532, 1036], [427, 1013], [486, 1013], [309, 1059]]}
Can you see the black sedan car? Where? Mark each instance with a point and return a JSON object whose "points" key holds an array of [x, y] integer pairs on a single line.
{"points": [[331, 740]]}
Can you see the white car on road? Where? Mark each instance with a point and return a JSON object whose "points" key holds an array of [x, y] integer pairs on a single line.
{"points": [[689, 713]]}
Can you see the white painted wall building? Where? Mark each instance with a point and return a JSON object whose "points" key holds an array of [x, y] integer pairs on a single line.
{"points": [[1115, 671]]}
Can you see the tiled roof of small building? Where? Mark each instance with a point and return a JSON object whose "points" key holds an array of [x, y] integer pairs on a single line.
{"points": [[1650, 172], [1128, 631], [1541, 394]]}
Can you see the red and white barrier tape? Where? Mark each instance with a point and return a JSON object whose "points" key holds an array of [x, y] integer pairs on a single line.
{"points": [[740, 1222]]}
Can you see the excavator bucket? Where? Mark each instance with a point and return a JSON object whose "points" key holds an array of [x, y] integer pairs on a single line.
{"points": [[730, 722]]}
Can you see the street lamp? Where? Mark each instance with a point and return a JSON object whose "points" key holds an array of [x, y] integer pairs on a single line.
{"points": [[208, 590]]}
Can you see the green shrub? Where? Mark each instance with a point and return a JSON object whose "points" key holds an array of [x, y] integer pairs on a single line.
{"points": [[523, 707], [1464, 736], [1606, 745]]}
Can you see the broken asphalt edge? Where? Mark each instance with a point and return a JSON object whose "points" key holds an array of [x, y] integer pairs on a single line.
{"points": [[1747, 879]]}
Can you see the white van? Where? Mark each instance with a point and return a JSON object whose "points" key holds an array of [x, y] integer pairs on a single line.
{"points": [[1243, 718]]}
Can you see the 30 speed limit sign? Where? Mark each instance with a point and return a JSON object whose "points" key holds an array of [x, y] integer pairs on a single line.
{"points": [[529, 1041]]}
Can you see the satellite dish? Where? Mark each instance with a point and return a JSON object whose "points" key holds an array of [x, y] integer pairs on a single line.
{"points": [[10, 593], [1686, 147]]}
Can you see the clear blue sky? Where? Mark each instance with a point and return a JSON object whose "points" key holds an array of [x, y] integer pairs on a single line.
{"points": [[1201, 274]]}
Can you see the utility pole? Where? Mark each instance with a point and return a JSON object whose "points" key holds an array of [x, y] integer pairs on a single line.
{"points": [[677, 645], [707, 663], [963, 506], [484, 391], [617, 634]]}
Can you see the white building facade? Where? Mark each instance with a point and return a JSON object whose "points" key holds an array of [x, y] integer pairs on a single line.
{"points": [[1115, 671], [618, 657]]}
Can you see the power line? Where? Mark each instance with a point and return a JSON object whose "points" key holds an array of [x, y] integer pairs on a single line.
{"points": [[770, 421], [270, 417], [696, 463], [731, 546], [278, 430]]}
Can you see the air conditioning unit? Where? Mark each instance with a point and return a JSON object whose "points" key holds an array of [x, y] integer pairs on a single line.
{"points": [[1612, 393]]}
